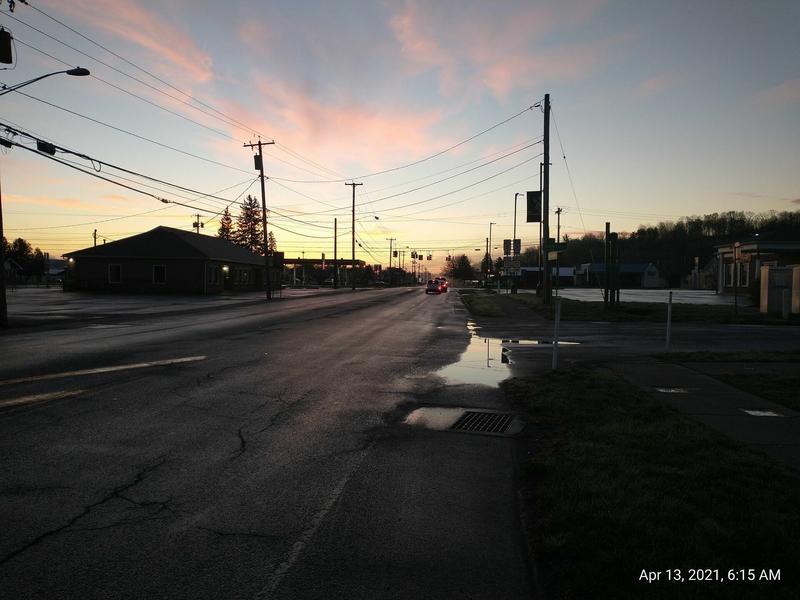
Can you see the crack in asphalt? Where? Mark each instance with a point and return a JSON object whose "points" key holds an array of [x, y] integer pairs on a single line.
{"points": [[288, 407], [242, 445], [115, 493]]}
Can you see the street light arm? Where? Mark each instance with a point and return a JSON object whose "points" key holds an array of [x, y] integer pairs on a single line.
{"points": [[77, 72]]}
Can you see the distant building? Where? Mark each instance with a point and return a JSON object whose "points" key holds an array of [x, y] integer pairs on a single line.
{"points": [[631, 275], [739, 266], [164, 260]]}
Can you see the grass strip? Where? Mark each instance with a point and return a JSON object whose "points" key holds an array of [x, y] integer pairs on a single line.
{"points": [[578, 310], [482, 305], [618, 483]]}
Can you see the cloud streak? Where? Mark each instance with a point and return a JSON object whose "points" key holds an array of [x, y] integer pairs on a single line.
{"points": [[177, 53]]}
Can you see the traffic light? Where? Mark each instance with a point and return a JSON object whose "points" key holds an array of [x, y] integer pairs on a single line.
{"points": [[394, 253], [430, 256]]}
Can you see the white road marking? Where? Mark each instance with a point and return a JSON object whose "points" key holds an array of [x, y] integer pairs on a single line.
{"points": [[39, 398], [761, 413], [305, 538], [155, 363]]}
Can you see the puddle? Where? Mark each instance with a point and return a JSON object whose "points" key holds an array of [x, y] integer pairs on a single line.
{"points": [[484, 362], [487, 360]]}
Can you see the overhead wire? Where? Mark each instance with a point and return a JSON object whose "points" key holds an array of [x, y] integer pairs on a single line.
{"points": [[225, 118]]}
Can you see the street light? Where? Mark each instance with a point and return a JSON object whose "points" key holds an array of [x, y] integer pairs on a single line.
{"points": [[77, 72]]}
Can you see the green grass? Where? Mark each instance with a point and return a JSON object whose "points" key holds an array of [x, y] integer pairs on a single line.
{"points": [[617, 482], [482, 305], [577, 310]]}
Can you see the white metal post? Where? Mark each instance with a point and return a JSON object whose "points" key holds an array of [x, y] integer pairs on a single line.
{"points": [[669, 322], [557, 301]]}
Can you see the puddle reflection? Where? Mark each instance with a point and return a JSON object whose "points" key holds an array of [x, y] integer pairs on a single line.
{"points": [[487, 360]]}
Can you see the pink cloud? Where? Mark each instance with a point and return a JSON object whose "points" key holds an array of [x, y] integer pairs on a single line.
{"points": [[175, 49], [376, 136], [656, 85], [780, 96], [496, 49], [47, 201]]}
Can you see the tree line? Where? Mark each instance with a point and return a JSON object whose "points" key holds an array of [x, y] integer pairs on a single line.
{"points": [[32, 261], [671, 246], [247, 230]]}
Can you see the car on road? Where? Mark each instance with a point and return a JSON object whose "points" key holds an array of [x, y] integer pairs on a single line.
{"points": [[442, 282], [433, 287]]}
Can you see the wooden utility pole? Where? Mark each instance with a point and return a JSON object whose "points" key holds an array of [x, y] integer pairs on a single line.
{"points": [[353, 237], [94, 238], [335, 256], [546, 291], [259, 164], [606, 255]]}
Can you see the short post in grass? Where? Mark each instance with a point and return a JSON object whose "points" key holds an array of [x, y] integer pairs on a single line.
{"points": [[669, 322], [557, 300]]}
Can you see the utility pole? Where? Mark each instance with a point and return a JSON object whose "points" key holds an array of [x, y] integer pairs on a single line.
{"points": [[489, 247], [353, 237], [546, 198], [390, 240], [197, 224], [94, 238], [335, 257], [259, 164]]}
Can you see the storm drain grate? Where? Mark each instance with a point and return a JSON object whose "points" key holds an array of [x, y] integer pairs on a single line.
{"points": [[483, 422]]}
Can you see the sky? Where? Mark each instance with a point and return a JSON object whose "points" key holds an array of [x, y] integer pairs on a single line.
{"points": [[660, 110]]}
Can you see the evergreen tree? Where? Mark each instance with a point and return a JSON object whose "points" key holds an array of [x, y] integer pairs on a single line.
{"points": [[225, 230], [248, 232], [461, 268], [272, 243]]}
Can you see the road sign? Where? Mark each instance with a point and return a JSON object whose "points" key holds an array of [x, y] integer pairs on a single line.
{"points": [[560, 247], [517, 246], [552, 256], [506, 247], [514, 272]]}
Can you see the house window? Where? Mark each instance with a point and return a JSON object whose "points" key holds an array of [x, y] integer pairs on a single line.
{"points": [[213, 275], [114, 273], [729, 275], [744, 274], [159, 273]]}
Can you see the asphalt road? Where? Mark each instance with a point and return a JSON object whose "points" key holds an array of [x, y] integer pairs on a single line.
{"points": [[271, 462]]}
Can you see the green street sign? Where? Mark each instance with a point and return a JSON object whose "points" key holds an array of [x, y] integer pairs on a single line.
{"points": [[560, 247]]}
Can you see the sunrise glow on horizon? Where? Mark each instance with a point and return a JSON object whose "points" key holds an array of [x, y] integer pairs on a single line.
{"points": [[663, 110]]}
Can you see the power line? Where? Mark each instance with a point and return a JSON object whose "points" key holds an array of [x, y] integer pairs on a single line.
{"points": [[421, 160], [220, 116], [569, 173], [136, 135], [229, 121]]}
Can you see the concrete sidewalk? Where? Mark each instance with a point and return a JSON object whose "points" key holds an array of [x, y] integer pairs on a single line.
{"points": [[765, 425]]}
